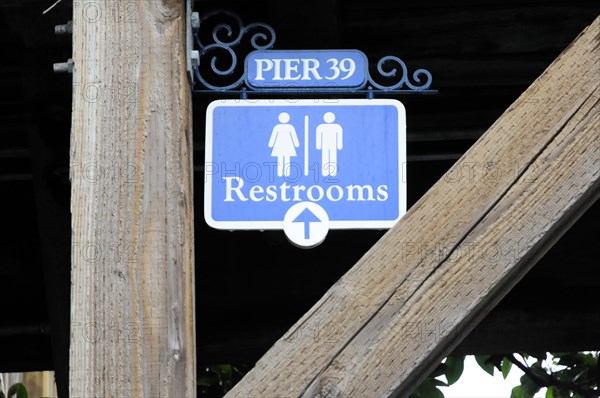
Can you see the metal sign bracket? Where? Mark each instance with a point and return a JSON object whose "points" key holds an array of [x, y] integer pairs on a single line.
{"points": [[219, 42]]}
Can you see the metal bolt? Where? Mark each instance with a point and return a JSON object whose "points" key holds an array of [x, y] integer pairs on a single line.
{"points": [[195, 56], [195, 20], [64, 29], [64, 67]]}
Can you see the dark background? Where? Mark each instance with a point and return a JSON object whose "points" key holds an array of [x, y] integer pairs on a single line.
{"points": [[252, 286]]}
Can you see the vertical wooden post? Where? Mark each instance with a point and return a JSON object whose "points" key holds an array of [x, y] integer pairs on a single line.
{"points": [[132, 310]]}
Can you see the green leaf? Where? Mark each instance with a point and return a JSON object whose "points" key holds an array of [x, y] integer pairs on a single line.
{"points": [[496, 360], [552, 392], [529, 386], [587, 359], [519, 392], [454, 368], [18, 390], [506, 365], [537, 370], [571, 374], [428, 390], [438, 371], [482, 361], [438, 382]]}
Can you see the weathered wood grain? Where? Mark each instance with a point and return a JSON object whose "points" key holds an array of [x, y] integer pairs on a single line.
{"points": [[132, 307], [380, 329]]}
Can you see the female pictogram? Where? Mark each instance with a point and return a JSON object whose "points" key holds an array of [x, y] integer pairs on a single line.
{"points": [[284, 142]]}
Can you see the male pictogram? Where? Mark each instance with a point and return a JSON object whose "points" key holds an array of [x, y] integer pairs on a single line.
{"points": [[329, 142]]}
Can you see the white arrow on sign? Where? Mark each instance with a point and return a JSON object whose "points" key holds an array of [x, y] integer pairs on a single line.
{"points": [[306, 224]]}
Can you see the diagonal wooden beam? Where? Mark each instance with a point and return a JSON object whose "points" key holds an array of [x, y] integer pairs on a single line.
{"points": [[412, 298]]}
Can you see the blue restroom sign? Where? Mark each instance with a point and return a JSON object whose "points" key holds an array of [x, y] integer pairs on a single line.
{"points": [[305, 166]]}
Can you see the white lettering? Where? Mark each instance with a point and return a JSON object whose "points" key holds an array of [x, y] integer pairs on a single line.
{"points": [[310, 193], [263, 65], [271, 193], [360, 190], [256, 190], [310, 65], [340, 193], [229, 188], [382, 194], [297, 189], [236, 189], [277, 70], [284, 187], [289, 68]]}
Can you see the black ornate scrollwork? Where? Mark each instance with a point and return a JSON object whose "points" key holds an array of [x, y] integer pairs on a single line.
{"points": [[221, 48], [402, 81], [223, 42]]}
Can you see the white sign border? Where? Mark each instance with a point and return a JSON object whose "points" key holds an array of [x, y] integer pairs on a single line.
{"points": [[278, 225]]}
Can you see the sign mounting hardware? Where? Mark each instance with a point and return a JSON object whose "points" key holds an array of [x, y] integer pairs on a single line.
{"points": [[304, 166], [221, 40]]}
